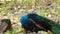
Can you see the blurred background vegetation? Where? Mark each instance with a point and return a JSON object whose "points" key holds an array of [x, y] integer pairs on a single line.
{"points": [[14, 9]]}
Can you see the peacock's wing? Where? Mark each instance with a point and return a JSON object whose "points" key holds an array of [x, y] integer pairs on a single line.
{"points": [[55, 26]]}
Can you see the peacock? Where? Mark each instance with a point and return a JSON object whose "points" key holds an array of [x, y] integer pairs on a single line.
{"points": [[33, 22]]}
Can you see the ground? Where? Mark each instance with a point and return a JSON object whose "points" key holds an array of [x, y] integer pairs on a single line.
{"points": [[15, 9]]}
